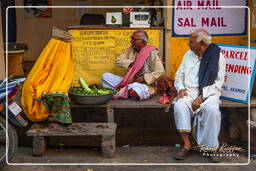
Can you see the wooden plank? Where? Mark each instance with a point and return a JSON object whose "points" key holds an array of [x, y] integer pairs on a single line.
{"points": [[153, 103], [149, 103], [75, 129], [229, 103]]}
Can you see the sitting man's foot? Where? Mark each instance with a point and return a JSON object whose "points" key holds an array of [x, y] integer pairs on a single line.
{"points": [[133, 95], [181, 154], [56, 125]]}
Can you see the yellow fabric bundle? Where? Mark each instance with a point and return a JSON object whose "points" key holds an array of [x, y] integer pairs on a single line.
{"points": [[52, 73]]}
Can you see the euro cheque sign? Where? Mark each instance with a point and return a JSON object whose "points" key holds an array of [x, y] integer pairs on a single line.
{"points": [[240, 72], [95, 52]]}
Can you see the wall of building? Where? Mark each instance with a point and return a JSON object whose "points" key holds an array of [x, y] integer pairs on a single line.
{"points": [[252, 6], [36, 32], [2, 61]]}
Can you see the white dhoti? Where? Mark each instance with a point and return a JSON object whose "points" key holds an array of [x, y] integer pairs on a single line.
{"points": [[110, 80], [207, 121]]}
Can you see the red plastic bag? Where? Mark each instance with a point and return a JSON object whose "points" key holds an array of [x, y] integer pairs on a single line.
{"points": [[164, 99]]}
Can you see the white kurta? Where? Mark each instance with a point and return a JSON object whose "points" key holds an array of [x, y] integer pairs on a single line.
{"points": [[152, 70], [208, 116]]}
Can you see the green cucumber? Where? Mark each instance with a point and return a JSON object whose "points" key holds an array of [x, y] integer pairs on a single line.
{"points": [[104, 91], [83, 84]]}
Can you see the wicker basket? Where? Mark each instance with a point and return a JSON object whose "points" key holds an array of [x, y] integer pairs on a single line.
{"points": [[15, 59]]}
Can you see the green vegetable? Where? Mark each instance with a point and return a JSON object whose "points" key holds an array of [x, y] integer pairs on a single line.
{"points": [[83, 84], [94, 91], [104, 91]]}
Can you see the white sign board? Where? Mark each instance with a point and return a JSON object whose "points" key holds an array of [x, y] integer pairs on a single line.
{"points": [[216, 16], [114, 18], [140, 19], [240, 72]]}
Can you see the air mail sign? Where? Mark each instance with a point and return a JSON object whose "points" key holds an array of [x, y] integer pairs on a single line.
{"points": [[219, 17]]}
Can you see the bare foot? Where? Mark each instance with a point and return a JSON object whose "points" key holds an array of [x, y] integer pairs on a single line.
{"points": [[133, 95]]}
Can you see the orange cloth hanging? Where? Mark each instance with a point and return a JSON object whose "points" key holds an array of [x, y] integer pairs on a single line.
{"points": [[52, 73]]}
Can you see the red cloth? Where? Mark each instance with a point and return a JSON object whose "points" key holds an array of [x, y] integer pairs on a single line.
{"points": [[136, 67]]}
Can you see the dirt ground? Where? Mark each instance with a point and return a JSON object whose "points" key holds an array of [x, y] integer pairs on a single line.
{"points": [[126, 159]]}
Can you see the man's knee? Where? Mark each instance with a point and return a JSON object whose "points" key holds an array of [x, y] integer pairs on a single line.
{"points": [[213, 112], [106, 76], [179, 106]]}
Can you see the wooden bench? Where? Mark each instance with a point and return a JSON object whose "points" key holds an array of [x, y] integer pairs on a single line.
{"points": [[153, 103], [106, 130]]}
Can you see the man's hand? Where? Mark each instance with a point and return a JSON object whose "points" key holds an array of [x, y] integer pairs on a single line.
{"points": [[140, 79], [132, 80], [197, 102], [131, 64], [181, 94]]}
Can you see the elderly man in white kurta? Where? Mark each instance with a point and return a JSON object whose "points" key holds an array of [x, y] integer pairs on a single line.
{"points": [[140, 84], [198, 82]]}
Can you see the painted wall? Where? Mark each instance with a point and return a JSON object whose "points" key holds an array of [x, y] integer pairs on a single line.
{"points": [[179, 47], [252, 6], [36, 32], [2, 61]]}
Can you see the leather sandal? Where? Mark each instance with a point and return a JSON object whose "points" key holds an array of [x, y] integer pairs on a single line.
{"points": [[181, 154]]}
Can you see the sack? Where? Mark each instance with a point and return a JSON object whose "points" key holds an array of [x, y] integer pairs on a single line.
{"points": [[166, 84]]}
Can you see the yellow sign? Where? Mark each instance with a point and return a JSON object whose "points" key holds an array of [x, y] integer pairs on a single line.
{"points": [[95, 51]]}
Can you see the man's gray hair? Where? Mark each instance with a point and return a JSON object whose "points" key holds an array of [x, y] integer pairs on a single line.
{"points": [[202, 35], [144, 35]]}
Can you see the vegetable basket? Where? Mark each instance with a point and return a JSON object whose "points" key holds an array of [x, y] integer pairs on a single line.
{"points": [[90, 99]]}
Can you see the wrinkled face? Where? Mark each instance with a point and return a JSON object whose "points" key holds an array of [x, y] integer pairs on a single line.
{"points": [[136, 41], [194, 45]]}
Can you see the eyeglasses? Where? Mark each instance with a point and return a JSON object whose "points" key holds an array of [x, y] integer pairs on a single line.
{"points": [[134, 39]]}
